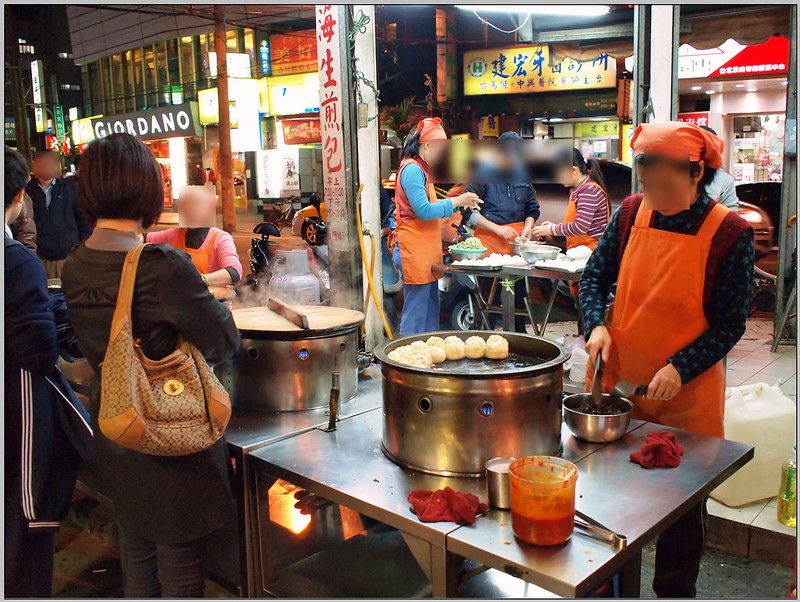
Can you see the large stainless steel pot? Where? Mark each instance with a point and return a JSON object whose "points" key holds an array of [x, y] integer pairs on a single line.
{"points": [[291, 369], [451, 420]]}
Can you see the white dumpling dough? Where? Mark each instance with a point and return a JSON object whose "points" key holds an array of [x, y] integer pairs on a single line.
{"points": [[454, 348], [435, 342], [496, 347], [475, 347], [438, 354], [419, 346], [419, 359]]}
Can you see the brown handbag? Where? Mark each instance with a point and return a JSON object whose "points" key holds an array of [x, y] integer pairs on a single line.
{"points": [[169, 407]]}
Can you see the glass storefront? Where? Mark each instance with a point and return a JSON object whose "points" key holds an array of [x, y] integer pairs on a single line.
{"points": [[757, 149]]}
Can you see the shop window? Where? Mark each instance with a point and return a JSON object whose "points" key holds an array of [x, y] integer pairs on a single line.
{"points": [[757, 150], [188, 68], [106, 91], [150, 77], [137, 79], [174, 70], [232, 40], [162, 75]]}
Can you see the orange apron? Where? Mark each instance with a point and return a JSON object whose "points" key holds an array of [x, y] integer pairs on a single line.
{"points": [[495, 244], [420, 240], [657, 311], [200, 258], [582, 239]]}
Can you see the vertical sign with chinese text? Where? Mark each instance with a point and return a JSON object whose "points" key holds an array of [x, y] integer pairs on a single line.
{"points": [[61, 130], [38, 93], [331, 118]]}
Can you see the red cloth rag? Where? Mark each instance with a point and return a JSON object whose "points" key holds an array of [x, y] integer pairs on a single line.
{"points": [[660, 450], [445, 505]]}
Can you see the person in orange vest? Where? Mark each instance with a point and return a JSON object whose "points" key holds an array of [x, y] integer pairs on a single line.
{"points": [[419, 218], [683, 266]]}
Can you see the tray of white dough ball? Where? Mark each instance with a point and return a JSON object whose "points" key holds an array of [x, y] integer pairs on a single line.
{"points": [[475, 354]]}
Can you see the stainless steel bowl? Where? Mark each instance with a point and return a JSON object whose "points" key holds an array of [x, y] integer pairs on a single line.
{"points": [[597, 428], [461, 254], [533, 252]]}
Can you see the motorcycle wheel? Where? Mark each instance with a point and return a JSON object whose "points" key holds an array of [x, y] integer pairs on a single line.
{"points": [[462, 317], [309, 233]]}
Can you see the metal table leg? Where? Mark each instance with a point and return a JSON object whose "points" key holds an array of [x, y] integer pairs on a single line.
{"points": [[631, 578], [509, 308], [549, 308]]}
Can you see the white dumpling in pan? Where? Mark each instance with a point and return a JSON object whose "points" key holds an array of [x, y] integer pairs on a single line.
{"points": [[435, 342], [438, 354], [454, 348], [497, 347], [475, 347]]}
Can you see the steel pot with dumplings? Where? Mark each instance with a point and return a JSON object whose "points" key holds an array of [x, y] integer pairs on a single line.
{"points": [[454, 417]]}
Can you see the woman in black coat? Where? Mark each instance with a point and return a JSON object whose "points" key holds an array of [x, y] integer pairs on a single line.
{"points": [[168, 507]]}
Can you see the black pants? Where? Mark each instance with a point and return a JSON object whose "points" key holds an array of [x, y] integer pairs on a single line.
{"points": [[679, 551], [28, 555], [156, 570]]}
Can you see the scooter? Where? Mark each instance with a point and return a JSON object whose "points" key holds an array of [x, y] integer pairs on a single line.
{"points": [[458, 293], [261, 254]]}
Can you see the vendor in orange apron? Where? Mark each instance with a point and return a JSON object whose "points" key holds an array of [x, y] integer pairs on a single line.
{"points": [[683, 266], [588, 210], [509, 208], [419, 216]]}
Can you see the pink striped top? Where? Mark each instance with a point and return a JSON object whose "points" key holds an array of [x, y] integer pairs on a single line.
{"points": [[592, 212], [223, 255]]}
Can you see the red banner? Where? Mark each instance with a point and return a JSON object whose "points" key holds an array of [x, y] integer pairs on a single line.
{"points": [[700, 118], [760, 59], [293, 52], [301, 131]]}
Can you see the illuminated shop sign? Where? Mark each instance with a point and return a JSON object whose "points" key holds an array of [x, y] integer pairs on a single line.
{"points": [[528, 69], [155, 124], [732, 59]]}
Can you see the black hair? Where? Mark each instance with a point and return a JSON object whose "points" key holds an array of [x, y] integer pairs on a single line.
{"points": [[411, 146], [708, 129], [589, 168], [16, 175], [43, 152], [692, 168]]}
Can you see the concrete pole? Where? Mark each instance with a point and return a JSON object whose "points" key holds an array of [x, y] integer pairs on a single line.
{"points": [[787, 239], [664, 62], [225, 158], [368, 166]]}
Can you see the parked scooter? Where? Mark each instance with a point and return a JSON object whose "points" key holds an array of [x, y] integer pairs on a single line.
{"points": [[261, 254]]}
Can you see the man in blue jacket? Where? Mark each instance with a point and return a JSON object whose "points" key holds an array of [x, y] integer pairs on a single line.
{"points": [[60, 224], [46, 428]]}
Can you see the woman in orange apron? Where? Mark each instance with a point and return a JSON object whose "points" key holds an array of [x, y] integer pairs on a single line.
{"points": [[683, 265], [588, 210], [212, 251], [419, 216]]}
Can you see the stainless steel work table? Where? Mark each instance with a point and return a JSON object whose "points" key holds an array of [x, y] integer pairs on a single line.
{"points": [[508, 309], [348, 468], [249, 430]]}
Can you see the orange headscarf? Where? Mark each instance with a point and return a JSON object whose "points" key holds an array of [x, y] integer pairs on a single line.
{"points": [[431, 129], [680, 141]]}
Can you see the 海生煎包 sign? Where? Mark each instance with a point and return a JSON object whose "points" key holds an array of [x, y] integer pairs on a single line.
{"points": [[527, 69], [165, 122]]}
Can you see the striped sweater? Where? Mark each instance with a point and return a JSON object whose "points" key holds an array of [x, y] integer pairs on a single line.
{"points": [[592, 212]]}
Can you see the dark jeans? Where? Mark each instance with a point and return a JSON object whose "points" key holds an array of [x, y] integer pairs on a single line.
{"points": [[156, 570], [679, 550], [28, 555]]}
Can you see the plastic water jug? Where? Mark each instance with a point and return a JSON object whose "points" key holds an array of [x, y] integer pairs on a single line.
{"points": [[761, 416]]}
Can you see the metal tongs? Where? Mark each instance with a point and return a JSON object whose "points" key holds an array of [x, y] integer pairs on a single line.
{"points": [[333, 407], [595, 530]]}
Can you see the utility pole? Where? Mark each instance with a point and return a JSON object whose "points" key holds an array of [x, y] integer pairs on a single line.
{"points": [[225, 158], [20, 116]]}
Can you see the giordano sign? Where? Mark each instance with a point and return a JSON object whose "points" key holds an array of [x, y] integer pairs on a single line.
{"points": [[165, 122]]}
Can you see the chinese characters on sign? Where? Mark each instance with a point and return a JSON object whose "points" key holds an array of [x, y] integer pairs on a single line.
{"points": [[528, 69], [294, 52], [301, 131], [699, 119], [732, 59], [331, 117]]}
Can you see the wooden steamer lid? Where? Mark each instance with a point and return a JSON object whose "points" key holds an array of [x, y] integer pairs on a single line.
{"points": [[263, 323]]}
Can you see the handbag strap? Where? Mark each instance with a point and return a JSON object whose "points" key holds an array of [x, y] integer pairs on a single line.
{"points": [[122, 312]]}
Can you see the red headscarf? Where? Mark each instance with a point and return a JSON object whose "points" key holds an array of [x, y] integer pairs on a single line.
{"points": [[678, 140], [431, 129]]}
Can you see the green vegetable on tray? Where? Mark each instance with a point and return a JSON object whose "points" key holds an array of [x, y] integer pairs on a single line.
{"points": [[470, 244]]}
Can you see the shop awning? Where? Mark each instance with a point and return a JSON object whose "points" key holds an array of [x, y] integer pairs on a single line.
{"points": [[746, 25]]}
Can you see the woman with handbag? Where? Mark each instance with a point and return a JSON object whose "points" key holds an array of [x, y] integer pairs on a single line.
{"points": [[170, 499]]}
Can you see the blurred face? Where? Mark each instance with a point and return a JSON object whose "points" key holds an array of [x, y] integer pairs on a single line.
{"points": [[568, 175], [433, 151], [197, 207], [46, 166], [667, 187]]}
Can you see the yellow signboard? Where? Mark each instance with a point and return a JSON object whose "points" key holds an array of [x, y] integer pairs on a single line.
{"points": [[625, 150], [527, 69], [82, 131], [596, 128], [490, 126]]}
